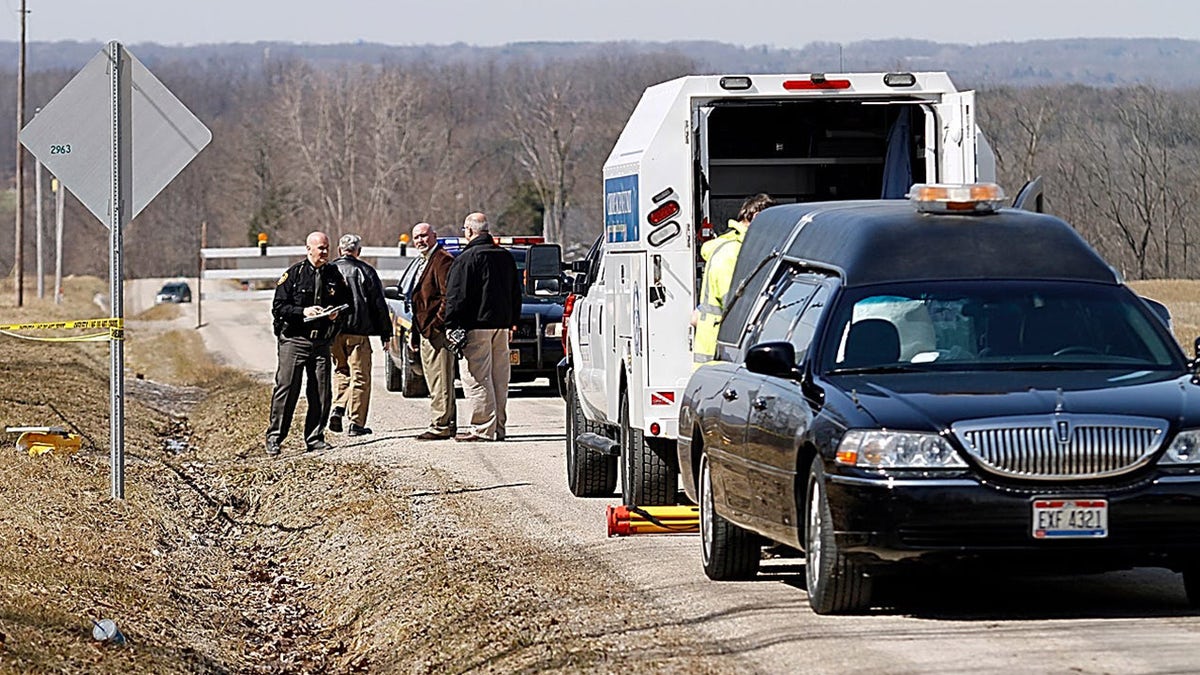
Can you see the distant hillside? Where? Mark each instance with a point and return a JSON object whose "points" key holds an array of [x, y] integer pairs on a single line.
{"points": [[1168, 63]]}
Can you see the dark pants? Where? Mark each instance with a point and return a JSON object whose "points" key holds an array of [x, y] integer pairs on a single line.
{"points": [[299, 357]]}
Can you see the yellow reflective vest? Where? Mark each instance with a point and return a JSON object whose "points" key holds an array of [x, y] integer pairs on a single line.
{"points": [[718, 274]]}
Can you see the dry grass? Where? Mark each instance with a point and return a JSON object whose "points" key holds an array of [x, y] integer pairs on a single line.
{"points": [[194, 563], [165, 311]]}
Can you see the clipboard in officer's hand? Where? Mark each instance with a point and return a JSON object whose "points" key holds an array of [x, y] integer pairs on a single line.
{"points": [[324, 313]]}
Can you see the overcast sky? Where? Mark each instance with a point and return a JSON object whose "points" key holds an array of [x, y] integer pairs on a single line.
{"points": [[778, 23]]}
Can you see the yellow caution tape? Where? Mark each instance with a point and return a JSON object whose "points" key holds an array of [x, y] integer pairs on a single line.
{"points": [[115, 326]]}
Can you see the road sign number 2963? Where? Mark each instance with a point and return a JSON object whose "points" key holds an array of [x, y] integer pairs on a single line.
{"points": [[64, 149]]}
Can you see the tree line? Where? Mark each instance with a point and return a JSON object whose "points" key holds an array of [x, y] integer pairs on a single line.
{"points": [[375, 148]]}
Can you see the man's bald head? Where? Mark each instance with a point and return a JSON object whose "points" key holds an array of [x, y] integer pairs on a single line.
{"points": [[317, 246], [423, 236]]}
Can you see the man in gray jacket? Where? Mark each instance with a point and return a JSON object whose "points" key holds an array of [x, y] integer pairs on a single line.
{"points": [[351, 349]]}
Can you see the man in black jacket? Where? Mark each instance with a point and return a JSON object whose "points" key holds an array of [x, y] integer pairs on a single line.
{"points": [[351, 350], [483, 297], [305, 323]]}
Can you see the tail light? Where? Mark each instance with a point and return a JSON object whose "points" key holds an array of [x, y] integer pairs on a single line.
{"points": [[567, 307]]}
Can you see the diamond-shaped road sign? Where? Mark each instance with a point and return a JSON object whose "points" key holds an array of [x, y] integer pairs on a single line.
{"points": [[72, 136]]}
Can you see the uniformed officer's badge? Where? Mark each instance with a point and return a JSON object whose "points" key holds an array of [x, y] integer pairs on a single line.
{"points": [[281, 279]]}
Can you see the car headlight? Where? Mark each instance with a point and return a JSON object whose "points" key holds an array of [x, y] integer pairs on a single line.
{"points": [[1185, 449], [875, 449], [553, 329]]}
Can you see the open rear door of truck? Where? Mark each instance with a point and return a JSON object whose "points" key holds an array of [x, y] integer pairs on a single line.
{"points": [[956, 134]]}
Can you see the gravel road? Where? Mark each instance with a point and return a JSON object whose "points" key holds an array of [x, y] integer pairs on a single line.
{"points": [[1128, 622]]}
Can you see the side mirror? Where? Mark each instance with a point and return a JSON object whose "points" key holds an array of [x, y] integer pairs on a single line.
{"points": [[580, 285], [1196, 349], [777, 359], [542, 262], [392, 292], [1030, 198]]}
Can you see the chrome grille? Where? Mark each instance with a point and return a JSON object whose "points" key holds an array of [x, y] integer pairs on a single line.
{"points": [[1062, 446]]}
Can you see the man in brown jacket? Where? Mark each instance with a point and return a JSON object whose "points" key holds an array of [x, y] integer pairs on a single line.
{"points": [[429, 320]]}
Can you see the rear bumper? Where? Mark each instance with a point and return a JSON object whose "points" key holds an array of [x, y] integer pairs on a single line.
{"points": [[1156, 522]]}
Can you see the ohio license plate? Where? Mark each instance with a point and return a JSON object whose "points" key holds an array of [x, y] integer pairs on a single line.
{"points": [[1070, 518], [514, 357]]}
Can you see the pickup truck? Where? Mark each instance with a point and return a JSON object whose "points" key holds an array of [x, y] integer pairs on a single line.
{"points": [[535, 348]]}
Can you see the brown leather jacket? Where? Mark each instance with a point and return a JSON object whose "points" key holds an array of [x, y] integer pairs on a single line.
{"points": [[429, 296]]}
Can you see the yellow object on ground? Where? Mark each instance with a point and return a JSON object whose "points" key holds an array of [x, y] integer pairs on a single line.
{"points": [[627, 520], [40, 440]]}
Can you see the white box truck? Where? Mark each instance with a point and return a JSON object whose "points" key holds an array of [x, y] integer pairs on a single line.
{"points": [[692, 150]]}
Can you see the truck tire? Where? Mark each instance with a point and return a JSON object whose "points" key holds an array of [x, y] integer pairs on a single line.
{"points": [[588, 474], [836, 584], [1191, 583], [391, 374], [412, 385], [648, 477], [727, 552]]}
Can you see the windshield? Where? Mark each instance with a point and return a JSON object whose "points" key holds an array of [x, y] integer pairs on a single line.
{"points": [[994, 325]]}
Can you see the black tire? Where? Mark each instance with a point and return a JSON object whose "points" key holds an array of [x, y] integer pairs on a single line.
{"points": [[1191, 583], [728, 552], [391, 374], [836, 584], [589, 474], [412, 383], [648, 478]]}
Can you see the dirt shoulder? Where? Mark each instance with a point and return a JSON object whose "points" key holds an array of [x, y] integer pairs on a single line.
{"points": [[223, 560]]}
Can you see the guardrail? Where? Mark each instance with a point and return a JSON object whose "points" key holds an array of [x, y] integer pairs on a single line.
{"points": [[250, 264]]}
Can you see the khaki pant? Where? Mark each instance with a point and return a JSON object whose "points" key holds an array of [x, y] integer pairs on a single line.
{"points": [[484, 369], [438, 363], [352, 376]]}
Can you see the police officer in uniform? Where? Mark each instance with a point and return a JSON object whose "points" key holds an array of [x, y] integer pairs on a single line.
{"points": [[305, 328]]}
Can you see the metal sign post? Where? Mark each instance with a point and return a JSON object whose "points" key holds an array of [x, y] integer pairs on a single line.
{"points": [[115, 163], [121, 199], [37, 224], [59, 194]]}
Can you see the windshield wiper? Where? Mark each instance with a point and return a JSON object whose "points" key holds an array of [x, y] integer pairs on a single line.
{"points": [[873, 370]]}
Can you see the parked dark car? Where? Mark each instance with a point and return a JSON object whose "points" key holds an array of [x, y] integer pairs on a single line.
{"points": [[900, 386], [535, 348], [175, 291]]}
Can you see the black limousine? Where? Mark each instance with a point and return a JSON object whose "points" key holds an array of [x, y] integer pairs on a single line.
{"points": [[939, 381]]}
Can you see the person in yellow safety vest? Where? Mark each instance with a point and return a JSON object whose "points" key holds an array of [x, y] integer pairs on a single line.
{"points": [[722, 255]]}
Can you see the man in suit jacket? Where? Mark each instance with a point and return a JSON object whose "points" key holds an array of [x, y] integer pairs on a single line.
{"points": [[429, 320]]}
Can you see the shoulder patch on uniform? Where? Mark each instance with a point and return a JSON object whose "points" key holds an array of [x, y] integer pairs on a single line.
{"points": [[281, 279]]}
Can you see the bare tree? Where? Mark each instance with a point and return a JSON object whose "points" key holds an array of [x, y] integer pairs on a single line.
{"points": [[543, 119]]}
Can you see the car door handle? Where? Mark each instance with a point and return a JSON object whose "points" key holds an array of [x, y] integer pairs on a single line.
{"points": [[729, 395], [759, 403]]}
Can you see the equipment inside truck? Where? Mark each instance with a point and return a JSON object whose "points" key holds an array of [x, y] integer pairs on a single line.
{"points": [[809, 150]]}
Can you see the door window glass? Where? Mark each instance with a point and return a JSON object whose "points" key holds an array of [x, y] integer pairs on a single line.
{"points": [[783, 308], [806, 326]]}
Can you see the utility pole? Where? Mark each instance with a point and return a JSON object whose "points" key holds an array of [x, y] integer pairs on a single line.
{"points": [[19, 260]]}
